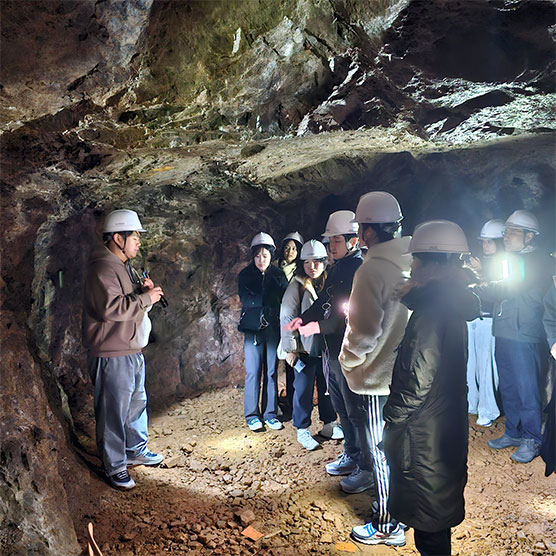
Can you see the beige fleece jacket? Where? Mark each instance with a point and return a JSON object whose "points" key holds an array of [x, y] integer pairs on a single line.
{"points": [[376, 320], [114, 310]]}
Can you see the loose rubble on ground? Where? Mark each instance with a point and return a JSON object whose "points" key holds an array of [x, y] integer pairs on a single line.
{"points": [[222, 486]]}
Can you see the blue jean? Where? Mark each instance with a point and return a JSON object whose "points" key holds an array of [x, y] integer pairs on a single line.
{"points": [[519, 365], [482, 374], [120, 408], [303, 387], [260, 353], [353, 412]]}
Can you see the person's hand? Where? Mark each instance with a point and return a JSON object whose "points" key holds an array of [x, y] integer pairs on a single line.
{"points": [[155, 294], [293, 324], [148, 284], [475, 264], [310, 328], [291, 358], [553, 350]]}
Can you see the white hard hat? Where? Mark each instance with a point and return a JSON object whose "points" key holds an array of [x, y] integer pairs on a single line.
{"points": [[296, 236], [378, 207], [341, 222], [523, 219], [438, 236], [493, 229], [263, 239], [122, 221], [313, 249]]}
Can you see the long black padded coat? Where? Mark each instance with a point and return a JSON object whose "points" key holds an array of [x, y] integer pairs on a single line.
{"points": [[426, 430]]}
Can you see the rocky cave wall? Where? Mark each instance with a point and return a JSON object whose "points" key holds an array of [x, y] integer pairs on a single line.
{"points": [[215, 120]]}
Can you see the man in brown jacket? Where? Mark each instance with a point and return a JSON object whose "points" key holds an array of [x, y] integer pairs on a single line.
{"points": [[116, 329]]}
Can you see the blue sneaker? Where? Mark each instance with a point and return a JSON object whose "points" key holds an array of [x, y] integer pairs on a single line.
{"points": [[274, 424], [148, 458], [367, 534], [254, 424]]}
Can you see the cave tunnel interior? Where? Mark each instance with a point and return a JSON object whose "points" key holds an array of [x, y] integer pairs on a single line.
{"points": [[214, 121]]}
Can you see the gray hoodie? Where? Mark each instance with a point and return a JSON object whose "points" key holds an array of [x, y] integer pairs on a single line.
{"points": [[376, 319]]}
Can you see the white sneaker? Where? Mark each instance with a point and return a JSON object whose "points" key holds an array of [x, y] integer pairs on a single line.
{"points": [[367, 534], [484, 422], [332, 430], [305, 438]]}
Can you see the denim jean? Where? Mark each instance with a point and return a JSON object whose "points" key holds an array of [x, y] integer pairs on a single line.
{"points": [[353, 411], [519, 365], [482, 374], [303, 387], [260, 355], [120, 408]]}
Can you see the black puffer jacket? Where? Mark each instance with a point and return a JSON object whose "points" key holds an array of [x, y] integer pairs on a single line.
{"points": [[329, 309], [260, 294], [426, 431]]}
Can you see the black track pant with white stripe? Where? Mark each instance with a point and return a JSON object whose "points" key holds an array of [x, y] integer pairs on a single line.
{"points": [[382, 521]]}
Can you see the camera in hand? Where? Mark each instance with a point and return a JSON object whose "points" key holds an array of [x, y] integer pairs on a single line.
{"points": [[163, 300]]}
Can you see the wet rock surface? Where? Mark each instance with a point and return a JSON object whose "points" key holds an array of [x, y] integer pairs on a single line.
{"points": [[233, 478]]}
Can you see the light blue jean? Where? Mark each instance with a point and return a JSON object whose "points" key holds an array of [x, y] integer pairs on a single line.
{"points": [[261, 362], [120, 409], [482, 374]]}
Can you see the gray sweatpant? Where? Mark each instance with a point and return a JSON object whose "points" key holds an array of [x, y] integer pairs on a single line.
{"points": [[120, 408]]}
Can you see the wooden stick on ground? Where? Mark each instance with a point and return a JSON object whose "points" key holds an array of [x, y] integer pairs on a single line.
{"points": [[94, 550]]}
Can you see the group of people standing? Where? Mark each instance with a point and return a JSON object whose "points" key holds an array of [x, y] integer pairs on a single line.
{"points": [[383, 335], [397, 383]]}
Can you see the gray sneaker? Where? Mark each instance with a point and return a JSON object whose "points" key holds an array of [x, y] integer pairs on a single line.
{"points": [[505, 441], [528, 450], [358, 481], [342, 465]]}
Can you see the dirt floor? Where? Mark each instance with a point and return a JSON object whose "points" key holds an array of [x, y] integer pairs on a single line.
{"points": [[220, 478]]}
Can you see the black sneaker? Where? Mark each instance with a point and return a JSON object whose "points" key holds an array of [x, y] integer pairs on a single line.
{"points": [[122, 480]]}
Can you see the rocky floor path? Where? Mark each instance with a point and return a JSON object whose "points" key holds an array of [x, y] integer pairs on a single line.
{"points": [[219, 478]]}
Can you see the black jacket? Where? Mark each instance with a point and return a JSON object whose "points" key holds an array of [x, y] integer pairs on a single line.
{"points": [[260, 294], [426, 424], [518, 299], [329, 309]]}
